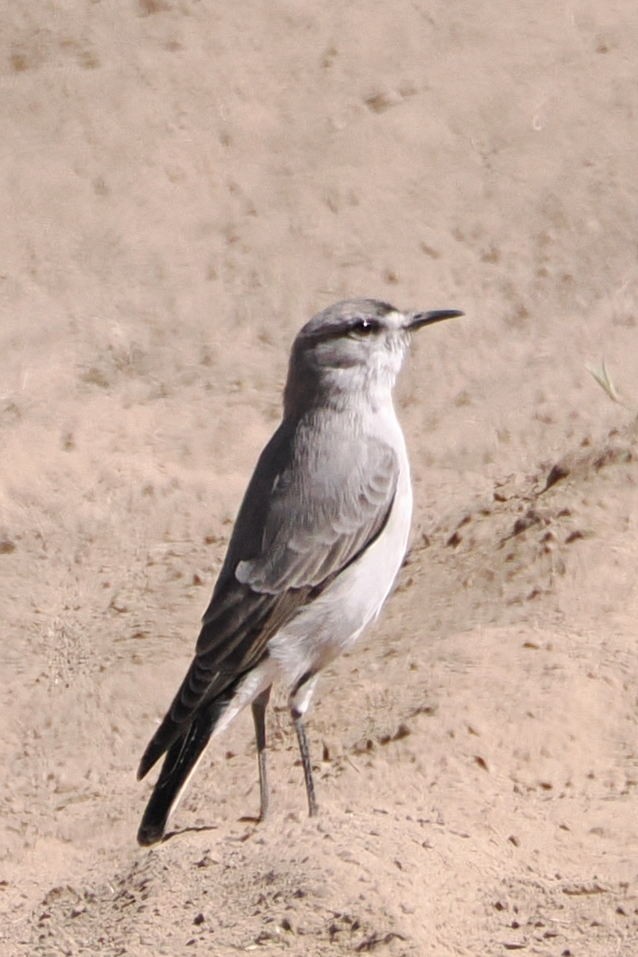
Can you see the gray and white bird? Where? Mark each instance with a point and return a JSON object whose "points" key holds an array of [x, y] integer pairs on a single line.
{"points": [[316, 547]]}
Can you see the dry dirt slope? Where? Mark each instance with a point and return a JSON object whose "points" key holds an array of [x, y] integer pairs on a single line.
{"points": [[477, 762], [184, 183]]}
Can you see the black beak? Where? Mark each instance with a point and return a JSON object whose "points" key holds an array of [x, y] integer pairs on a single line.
{"points": [[416, 320]]}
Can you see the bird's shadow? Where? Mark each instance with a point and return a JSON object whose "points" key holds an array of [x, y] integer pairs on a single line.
{"points": [[198, 828], [195, 828]]}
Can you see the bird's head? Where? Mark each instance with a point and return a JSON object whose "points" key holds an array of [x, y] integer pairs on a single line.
{"points": [[354, 346]]}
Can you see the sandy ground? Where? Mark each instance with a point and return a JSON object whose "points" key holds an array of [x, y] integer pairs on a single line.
{"points": [[184, 184]]}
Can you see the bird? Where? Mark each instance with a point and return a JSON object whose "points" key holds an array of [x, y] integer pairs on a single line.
{"points": [[318, 541]]}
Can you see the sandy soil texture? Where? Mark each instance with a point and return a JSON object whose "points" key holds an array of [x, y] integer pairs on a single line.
{"points": [[184, 184]]}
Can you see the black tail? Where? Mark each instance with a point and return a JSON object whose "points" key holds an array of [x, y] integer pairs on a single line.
{"points": [[181, 758], [198, 691]]}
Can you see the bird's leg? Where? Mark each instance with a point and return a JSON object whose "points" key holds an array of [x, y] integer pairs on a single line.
{"points": [[307, 763], [259, 706], [298, 703]]}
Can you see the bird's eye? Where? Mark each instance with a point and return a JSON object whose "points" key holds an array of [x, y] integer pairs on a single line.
{"points": [[362, 328]]}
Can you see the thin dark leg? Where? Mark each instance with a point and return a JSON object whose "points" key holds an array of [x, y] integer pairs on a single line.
{"points": [[307, 764], [259, 706]]}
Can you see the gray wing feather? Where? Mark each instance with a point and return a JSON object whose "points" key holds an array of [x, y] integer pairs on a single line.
{"points": [[312, 533], [328, 497]]}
